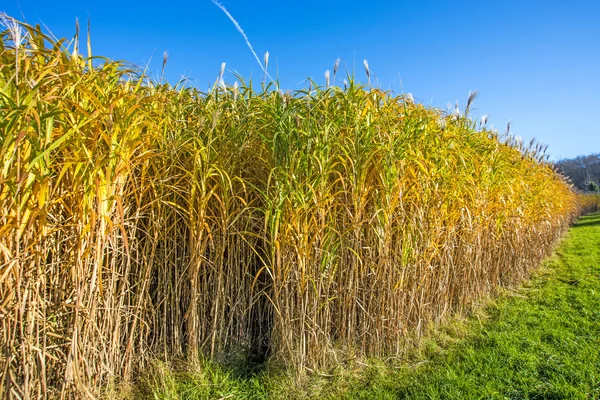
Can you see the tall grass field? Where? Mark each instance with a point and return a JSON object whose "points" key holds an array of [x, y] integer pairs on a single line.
{"points": [[143, 221]]}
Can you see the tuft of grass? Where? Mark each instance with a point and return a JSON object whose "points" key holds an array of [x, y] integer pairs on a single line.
{"points": [[203, 380], [141, 221]]}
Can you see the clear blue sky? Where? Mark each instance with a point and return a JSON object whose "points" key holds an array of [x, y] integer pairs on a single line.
{"points": [[535, 63]]}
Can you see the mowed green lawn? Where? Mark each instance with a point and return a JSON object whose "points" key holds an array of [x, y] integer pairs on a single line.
{"points": [[539, 341]]}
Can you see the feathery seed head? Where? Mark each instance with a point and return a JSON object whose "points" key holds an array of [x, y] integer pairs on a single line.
{"points": [[442, 123], [222, 71], [164, 63], [221, 84], [518, 141], [367, 70], [456, 111], [17, 34], [327, 76], [336, 65], [74, 55], [236, 89], [266, 60], [472, 96]]}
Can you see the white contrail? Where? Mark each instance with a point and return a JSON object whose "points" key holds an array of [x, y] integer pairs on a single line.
{"points": [[240, 30]]}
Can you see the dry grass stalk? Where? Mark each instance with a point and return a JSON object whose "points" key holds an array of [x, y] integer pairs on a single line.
{"points": [[141, 221]]}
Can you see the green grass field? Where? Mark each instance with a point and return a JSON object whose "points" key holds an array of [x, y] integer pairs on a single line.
{"points": [[539, 341]]}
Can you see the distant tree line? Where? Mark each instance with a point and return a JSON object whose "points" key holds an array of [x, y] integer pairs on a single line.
{"points": [[584, 171]]}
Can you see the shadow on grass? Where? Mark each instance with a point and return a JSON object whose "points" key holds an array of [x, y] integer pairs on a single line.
{"points": [[588, 220]]}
